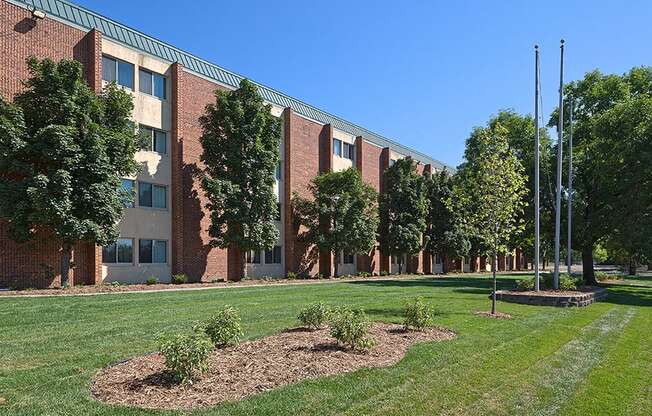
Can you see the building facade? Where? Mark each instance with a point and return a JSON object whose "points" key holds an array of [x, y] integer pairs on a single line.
{"points": [[165, 231]]}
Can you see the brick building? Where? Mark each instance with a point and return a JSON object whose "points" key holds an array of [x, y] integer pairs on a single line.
{"points": [[164, 232]]}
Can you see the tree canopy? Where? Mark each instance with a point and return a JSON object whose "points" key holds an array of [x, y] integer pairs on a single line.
{"points": [[63, 152], [241, 145], [341, 216], [402, 210]]}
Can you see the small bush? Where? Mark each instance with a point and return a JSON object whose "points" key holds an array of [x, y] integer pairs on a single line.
{"points": [[350, 327], [364, 274], [384, 273], [418, 314], [179, 279], [319, 276], [604, 276], [566, 282], [525, 284], [314, 315], [151, 281], [116, 284], [223, 328], [186, 356], [291, 275]]}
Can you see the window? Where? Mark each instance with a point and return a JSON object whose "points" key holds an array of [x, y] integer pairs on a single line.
{"points": [[115, 70], [278, 171], [151, 83], [253, 257], [128, 186], [337, 147], [348, 258], [153, 196], [391, 162], [349, 151], [437, 258], [273, 256], [152, 251], [156, 139], [278, 211], [119, 252]]}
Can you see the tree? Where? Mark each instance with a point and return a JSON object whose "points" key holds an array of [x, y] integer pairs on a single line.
{"points": [[342, 214], [402, 211], [64, 152], [444, 233], [241, 145], [609, 155], [491, 192]]}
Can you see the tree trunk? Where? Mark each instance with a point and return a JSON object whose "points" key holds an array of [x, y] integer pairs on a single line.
{"points": [[337, 262], [243, 265], [444, 266], [494, 263], [400, 265], [587, 265], [632, 266], [65, 263]]}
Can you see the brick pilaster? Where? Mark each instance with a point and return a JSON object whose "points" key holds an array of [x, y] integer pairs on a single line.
{"points": [[176, 157], [384, 164]]}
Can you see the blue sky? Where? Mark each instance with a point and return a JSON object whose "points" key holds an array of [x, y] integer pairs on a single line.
{"points": [[419, 72]]}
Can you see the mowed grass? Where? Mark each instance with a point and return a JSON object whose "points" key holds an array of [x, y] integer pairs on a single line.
{"points": [[589, 361]]}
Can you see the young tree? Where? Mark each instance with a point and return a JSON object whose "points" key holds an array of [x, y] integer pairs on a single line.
{"points": [[402, 211], [64, 150], [342, 214], [241, 144], [445, 233], [491, 191]]}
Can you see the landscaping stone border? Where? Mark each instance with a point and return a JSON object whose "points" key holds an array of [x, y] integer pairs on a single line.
{"points": [[584, 297]]}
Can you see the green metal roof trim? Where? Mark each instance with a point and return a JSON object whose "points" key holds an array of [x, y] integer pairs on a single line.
{"points": [[84, 18]]}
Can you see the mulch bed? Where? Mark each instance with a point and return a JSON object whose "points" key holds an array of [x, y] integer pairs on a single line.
{"points": [[497, 315], [253, 367]]}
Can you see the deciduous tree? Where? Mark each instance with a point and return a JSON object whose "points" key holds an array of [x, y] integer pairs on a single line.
{"points": [[241, 145], [63, 152]]}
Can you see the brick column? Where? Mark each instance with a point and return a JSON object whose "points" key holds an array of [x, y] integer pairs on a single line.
{"points": [[426, 256], [384, 164], [176, 158], [288, 244], [326, 258]]}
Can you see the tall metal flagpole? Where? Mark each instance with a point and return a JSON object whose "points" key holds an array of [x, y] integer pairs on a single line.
{"points": [[570, 187], [560, 134], [536, 167]]}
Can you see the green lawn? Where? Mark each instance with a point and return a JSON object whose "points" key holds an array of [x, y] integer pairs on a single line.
{"points": [[595, 360]]}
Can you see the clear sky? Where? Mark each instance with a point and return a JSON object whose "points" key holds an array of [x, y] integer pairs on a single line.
{"points": [[420, 72]]}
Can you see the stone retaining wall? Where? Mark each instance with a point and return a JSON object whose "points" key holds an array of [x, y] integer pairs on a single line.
{"points": [[562, 300]]}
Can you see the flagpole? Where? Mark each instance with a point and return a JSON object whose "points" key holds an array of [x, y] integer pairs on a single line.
{"points": [[570, 187], [536, 167], [560, 134]]}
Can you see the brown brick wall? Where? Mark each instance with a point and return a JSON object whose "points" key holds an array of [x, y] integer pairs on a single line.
{"points": [[37, 263], [369, 163]]}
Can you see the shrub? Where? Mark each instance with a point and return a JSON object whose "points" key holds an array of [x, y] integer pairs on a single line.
{"points": [[418, 314], [384, 273], [223, 328], [116, 284], [179, 279], [604, 276], [364, 274], [350, 327], [314, 315], [525, 284], [566, 282], [186, 356], [151, 281], [291, 275]]}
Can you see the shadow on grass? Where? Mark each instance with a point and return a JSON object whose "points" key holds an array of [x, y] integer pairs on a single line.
{"points": [[443, 282], [629, 295]]}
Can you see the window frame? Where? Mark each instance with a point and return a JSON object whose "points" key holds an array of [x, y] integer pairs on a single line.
{"points": [[152, 138], [131, 204], [337, 150], [117, 253], [271, 255], [152, 188], [348, 151], [117, 71], [153, 242], [152, 84], [253, 257]]}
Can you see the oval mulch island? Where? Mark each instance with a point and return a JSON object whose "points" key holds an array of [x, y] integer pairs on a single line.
{"points": [[253, 367]]}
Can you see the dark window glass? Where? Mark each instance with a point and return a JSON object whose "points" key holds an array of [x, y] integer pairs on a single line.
{"points": [[126, 74], [145, 81], [348, 258], [160, 251], [278, 171], [277, 254], [160, 142], [109, 253], [337, 147], [128, 186], [159, 86], [145, 251], [273, 256], [253, 257], [159, 196], [144, 194], [108, 69], [278, 211], [125, 250]]}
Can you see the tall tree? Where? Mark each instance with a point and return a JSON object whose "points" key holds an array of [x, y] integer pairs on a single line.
{"points": [[491, 192], [402, 211], [241, 145], [605, 155], [445, 233], [64, 152], [341, 216]]}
